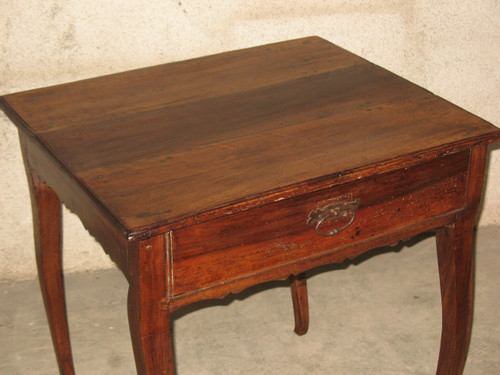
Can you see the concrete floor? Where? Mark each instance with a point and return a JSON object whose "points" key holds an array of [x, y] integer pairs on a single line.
{"points": [[377, 315]]}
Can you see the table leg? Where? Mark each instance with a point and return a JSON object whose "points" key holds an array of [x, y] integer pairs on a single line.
{"points": [[148, 311], [298, 288], [455, 249], [46, 209], [455, 258]]}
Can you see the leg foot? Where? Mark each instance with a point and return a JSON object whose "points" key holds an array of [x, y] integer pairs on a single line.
{"points": [[298, 288]]}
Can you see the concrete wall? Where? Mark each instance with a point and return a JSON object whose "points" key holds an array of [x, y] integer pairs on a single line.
{"points": [[449, 47]]}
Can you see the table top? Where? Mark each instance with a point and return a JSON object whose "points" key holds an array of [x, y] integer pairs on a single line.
{"points": [[177, 143]]}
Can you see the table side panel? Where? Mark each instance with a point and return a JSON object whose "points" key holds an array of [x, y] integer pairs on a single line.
{"points": [[283, 272], [233, 247], [98, 223]]}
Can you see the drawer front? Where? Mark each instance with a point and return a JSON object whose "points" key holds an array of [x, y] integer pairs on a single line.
{"points": [[236, 246]]}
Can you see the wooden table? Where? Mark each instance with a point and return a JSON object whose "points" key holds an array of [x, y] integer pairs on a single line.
{"points": [[204, 177]]}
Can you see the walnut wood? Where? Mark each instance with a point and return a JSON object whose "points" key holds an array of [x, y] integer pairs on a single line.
{"points": [[240, 110], [47, 228], [455, 249], [277, 234], [198, 177], [455, 259], [298, 287], [100, 223], [335, 255], [148, 310]]}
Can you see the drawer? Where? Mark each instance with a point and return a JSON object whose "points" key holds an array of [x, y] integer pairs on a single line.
{"points": [[236, 246]]}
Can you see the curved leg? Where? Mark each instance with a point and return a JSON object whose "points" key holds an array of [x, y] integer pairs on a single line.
{"points": [[455, 249], [148, 311], [455, 259], [46, 209], [298, 288]]}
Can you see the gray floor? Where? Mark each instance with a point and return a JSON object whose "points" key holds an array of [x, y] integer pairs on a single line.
{"points": [[377, 315]]}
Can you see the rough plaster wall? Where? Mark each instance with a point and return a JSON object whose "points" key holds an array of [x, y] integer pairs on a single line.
{"points": [[449, 47]]}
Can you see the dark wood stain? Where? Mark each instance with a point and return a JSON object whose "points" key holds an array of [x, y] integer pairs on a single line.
{"points": [[198, 179], [233, 125]]}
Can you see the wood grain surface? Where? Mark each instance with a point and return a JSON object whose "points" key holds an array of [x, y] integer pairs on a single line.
{"points": [[178, 143], [199, 179]]}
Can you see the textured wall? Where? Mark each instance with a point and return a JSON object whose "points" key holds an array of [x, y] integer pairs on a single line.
{"points": [[449, 47]]}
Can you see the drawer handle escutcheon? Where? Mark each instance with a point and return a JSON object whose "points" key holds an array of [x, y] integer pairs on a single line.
{"points": [[332, 212]]}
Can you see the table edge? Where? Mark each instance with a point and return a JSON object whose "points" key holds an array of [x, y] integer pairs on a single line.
{"points": [[310, 186]]}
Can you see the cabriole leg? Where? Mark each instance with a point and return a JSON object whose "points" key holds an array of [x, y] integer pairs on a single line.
{"points": [[455, 259], [46, 209]]}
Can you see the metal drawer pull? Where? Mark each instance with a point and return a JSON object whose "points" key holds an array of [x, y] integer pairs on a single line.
{"points": [[332, 212]]}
